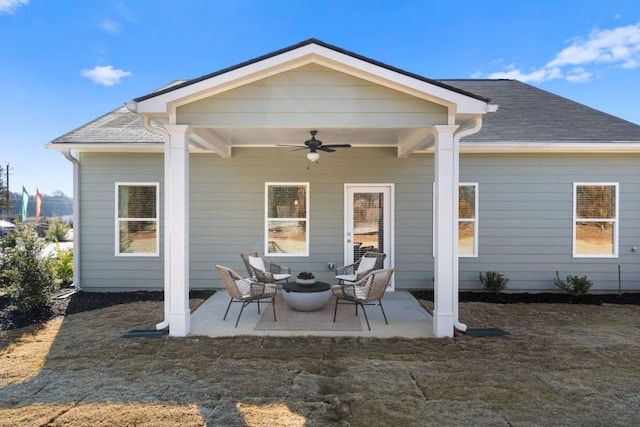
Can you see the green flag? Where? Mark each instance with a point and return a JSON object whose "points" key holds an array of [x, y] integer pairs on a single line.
{"points": [[25, 202]]}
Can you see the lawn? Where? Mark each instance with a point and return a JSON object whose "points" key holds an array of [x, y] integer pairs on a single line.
{"points": [[561, 364]]}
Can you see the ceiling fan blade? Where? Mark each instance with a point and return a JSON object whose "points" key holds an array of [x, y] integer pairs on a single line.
{"points": [[338, 145], [325, 148]]}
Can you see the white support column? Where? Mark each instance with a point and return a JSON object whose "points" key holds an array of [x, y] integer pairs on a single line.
{"points": [[446, 230], [176, 251]]}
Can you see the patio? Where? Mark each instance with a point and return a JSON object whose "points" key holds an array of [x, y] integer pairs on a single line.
{"points": [[407, 319]]}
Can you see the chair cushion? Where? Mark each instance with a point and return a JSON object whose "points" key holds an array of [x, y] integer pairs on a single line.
{"points": [[278, 276], [347, 277], [366, 264], [257, 263]]}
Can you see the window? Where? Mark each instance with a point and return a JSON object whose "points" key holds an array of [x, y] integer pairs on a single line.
{"points": [[287, 219], [595, 220], [137, 208], [468, 220]]}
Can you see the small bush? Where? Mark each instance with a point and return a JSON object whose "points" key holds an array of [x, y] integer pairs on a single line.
{"points": [[63, 266], [574, 285], [28, 277], [57, 231], [493, 282]]}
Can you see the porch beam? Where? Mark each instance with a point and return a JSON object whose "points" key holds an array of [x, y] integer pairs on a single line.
{"points": [[446, 230], [420, 140], [208, 139], [176, 249]]}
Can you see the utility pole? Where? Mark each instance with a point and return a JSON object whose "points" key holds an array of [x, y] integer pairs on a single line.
{"points": [[7, 202]]}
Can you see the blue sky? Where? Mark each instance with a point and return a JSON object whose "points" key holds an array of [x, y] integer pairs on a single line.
{"points": [[63, 63]]}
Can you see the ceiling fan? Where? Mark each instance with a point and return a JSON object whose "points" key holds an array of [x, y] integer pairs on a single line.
{"points": [[314, 145]]}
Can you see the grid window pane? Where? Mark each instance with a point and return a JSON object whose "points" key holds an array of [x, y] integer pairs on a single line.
{"points": [[466, 238], [467, 201], [287, 201], [594, 238], [136, 201], [596, 201], [137, 222], [287, 221], [138, 237], [287, 237], [467, 217], [596, 220]]}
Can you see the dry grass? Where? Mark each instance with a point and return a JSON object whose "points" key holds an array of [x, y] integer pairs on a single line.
{"points": [[560, 365]]}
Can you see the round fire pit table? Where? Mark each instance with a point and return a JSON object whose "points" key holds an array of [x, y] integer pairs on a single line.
{"points": [[306, 297]]}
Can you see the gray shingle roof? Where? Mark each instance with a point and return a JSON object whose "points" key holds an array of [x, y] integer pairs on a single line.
{"points": [[117, 126], [529, 114]]}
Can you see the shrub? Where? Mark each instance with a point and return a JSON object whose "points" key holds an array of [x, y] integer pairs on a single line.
{"points": [[574, 285], [493, 282], [63, 266], [28, 277], [57, 231]]}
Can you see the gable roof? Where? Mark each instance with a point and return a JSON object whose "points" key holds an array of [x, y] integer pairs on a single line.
{"points": [[529, 114], [300, 45]]}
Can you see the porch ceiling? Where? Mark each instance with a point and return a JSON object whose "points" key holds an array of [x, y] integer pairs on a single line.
{"points": [[222, 140], [357, 137]]}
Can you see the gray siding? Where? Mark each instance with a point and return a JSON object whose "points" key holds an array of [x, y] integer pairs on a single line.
{"points": [[312, 94], [525, 218], [100, 269]]}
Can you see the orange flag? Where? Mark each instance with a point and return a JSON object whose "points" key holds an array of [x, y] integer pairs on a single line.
{"points": [[38, 204]]}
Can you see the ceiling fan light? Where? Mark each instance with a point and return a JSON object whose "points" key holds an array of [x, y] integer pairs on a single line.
{"points": [[313, 156]]}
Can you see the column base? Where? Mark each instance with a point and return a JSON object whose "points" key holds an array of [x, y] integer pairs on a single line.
{"points": [[443, 325], [179, 324]]}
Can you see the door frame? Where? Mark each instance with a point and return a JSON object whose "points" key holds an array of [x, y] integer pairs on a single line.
{"points": [[389, 222]]}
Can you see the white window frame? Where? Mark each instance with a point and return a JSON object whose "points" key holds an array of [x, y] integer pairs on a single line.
{"points": [[307, 219], [118, 220], [476, 220], [615, 220]]}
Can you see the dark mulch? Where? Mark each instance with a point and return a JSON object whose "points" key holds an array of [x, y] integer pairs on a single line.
{"points": [[80, 302], [542, 298]]}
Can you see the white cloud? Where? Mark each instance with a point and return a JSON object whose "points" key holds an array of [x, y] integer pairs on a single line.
{"points": [[9, 7], [106, 76], [618, 46], [110, 26]]}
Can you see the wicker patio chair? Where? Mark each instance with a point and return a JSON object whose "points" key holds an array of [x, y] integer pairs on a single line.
{"points": [[246, 291], [368, 262], [264, 270], [366, 291]]}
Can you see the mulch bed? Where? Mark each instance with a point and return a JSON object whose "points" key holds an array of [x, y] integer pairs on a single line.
{"points": [[539, 298], [86, 301], [78, 303]]}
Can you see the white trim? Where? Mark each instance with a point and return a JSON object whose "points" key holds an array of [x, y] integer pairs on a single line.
{"points": [[465, 147], [266, 218], [312, 53], [615, 221], [389, 223], [118, 219]]}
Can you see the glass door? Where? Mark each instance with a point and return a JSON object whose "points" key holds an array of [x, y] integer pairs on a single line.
{"points": [[368, 221]]}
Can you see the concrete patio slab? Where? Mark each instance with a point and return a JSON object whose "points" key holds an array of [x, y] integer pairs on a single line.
{"points": [[407, 319]]}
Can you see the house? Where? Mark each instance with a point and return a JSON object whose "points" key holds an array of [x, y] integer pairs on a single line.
{"points": [[448, 177]]}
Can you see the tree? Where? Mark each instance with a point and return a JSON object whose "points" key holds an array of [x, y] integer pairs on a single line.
{"points": [[28, 277]]}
